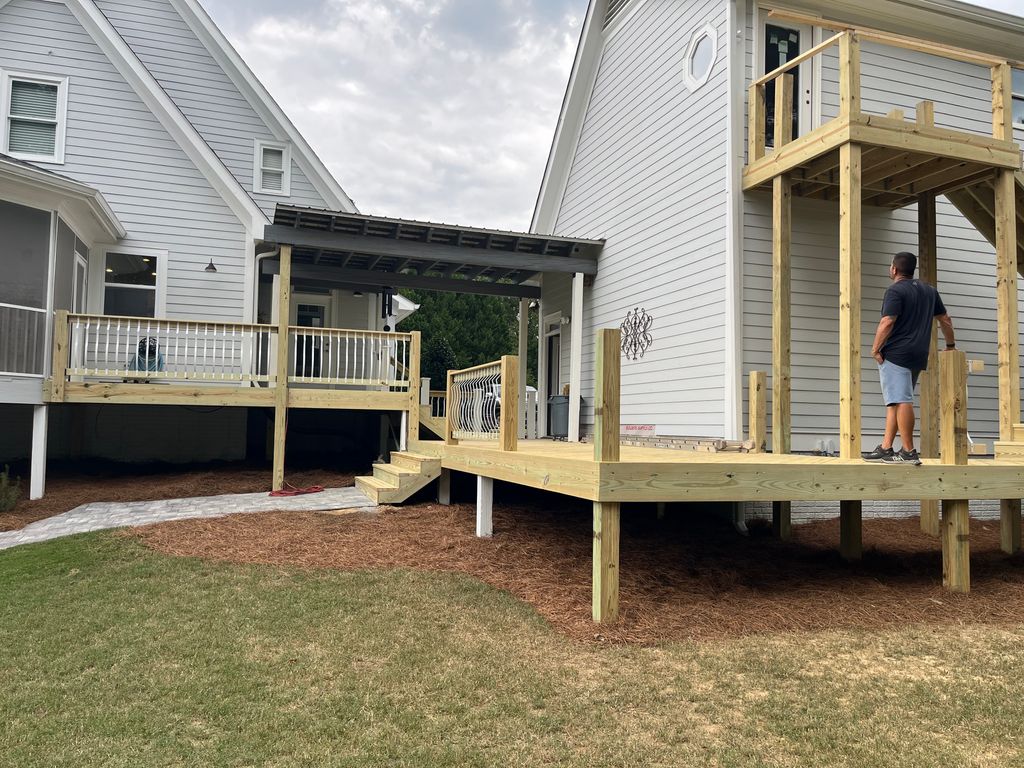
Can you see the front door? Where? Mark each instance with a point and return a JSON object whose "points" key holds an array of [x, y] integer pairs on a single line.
{"points": [[81, 280], [310, 346], [781, 43], [554, 359]]}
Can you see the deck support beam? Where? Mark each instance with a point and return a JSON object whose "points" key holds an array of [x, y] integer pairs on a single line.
{"points": [[955, 526], [575, 357], [281, 383], [929, 272], [1008, 340], [606, 562], [782, 324], [850, 530], [484, 506], [37, 472]]}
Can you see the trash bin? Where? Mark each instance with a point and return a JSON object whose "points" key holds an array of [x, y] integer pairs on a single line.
{"points": [[558, 416]]}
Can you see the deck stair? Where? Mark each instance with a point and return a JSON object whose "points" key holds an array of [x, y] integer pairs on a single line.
{"points": [[977, 204], [395, 482], [435, 424]]}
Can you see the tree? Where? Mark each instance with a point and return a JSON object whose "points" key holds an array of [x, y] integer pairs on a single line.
{"points": [[477, 329], [438, 359]]}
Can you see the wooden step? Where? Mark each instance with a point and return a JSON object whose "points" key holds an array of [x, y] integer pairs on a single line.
{"points": [[1010, 450], [413, 461], [1018, 433], [394, 483], [374, 489], [393, 474]]}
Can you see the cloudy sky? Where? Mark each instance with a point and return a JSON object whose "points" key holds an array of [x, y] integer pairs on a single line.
{"points": [[427, 109]]}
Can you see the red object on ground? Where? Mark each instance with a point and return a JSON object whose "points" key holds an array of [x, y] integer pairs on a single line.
{"points": [[291, 490]]}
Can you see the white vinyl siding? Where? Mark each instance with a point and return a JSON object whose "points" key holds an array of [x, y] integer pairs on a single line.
{"points": [[204, 93], [272, 171], [115, 144], [892, 78], [649, 175], [34, 116]]}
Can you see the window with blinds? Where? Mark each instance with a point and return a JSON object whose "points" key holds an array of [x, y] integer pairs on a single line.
{"points": [[34, 120], [272, 174]]}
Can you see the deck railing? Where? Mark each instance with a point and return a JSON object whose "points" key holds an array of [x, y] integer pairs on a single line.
{"points": [[22, 340], [482, 403], [168, 350], [340, 357]]}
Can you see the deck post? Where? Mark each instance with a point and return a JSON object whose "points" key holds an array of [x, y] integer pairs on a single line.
{"points": [[575, 357], [757, 123], [1008, 339], [37, 472], [849, 336], [413, 424], [59, 363], [606, 562], [450, 406], [508, 429], [1002, 101], [929, 273], [757, 411], [606, 394], [956, 548], [782, 323], [444, 488], [484, 506], [849, 75], [281, 379]]}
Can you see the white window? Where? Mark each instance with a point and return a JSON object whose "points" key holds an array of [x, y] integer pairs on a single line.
{"points": [[1018, 98], [132, 282], [701, 56], [272, 174], [34, 116]]}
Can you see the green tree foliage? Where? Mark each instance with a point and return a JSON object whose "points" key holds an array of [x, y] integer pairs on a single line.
{"points": [[438, 359], [478, 329]]}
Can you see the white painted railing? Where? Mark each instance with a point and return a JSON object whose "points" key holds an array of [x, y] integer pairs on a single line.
{"points": [[168, 350], [22, 340], [528, 416], [335, 356]]}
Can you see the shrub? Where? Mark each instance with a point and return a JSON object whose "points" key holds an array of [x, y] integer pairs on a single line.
{"points": [[10, 490]]}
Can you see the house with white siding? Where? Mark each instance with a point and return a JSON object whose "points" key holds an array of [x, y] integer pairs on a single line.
{"points": [[651, 154]]}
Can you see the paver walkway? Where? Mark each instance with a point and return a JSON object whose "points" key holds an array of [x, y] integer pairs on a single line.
{"points": [[101, 515]]}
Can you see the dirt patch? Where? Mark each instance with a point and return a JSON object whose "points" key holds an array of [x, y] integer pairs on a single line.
{"points": [[687, 576], [68, 488]]}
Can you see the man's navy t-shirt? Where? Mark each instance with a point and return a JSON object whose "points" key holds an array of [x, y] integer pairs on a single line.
{"points": [[914, 304]]}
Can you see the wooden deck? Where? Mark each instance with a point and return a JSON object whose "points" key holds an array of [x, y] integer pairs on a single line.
{"points": [[672, 475]]}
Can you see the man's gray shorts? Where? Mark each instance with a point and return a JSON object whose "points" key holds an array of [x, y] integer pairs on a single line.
{"points": [[897, 383]]}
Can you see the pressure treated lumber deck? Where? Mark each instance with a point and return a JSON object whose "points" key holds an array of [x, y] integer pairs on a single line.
{"points": [[653, 475]]}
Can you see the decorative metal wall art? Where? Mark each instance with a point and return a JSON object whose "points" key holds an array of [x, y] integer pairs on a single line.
{"points": [[636, 333]]}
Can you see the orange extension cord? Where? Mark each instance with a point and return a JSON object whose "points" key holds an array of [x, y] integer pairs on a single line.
{"points": [[291, 490]]}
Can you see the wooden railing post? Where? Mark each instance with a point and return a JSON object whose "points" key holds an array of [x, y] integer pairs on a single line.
{"points": [[1002, 102], [451, 406], [606, 394], [928, 270], [59, 365], [757, 411], [281, 378], [956, 548], [508, 430], [849, 75], [756, 123], [413, 421]]}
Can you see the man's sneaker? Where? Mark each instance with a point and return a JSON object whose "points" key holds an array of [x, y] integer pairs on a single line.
{"points": [[903, 457], [880, 454]]}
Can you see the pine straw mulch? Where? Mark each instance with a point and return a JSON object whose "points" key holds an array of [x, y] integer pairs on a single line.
{"points": [[69, 488], [689, 576]]}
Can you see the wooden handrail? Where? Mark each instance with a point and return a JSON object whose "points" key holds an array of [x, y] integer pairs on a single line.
{"points": [[809, 54], [377, 334], [482, 366]]}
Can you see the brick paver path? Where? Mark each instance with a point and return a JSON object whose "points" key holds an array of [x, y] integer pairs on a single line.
{"points": [[101, 515]]}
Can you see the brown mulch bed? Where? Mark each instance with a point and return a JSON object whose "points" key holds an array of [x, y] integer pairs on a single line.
{"points": [[66, 489], [688, 576]]}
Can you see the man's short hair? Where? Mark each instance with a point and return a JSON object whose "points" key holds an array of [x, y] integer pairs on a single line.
{"points": [[905, 263]]}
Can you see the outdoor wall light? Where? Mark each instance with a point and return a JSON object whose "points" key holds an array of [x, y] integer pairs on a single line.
{"points": [[357, 293], [210, 268]]}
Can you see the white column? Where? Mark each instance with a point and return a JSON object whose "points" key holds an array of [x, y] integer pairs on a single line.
{"points": [[542, 369], [524, 346], [575, 357], [403, 435], [37, 480], [484, 506], [444, 487]]}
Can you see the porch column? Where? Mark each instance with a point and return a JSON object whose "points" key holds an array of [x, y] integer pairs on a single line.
{"points": [[575, 357], [37, 477], [849, 335], [542, 369], [524, 347], [281, 380]]}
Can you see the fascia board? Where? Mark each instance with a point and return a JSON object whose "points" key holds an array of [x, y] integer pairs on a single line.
{"points": [[570, 121], [259, 98], [69, 188], [167, 112]]}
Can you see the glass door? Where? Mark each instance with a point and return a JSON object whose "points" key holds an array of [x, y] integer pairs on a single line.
{"points": [[782, 44]]}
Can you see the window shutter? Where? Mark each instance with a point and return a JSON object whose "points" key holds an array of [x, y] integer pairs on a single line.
{"points": [[273, 169], [33, 118]]}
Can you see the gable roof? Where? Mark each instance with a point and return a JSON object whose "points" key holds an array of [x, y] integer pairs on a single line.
{"points": [[209, 34], [166, 111]]}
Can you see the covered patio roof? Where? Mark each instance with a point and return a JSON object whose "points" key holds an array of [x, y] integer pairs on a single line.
{"points": [[339, 249]]}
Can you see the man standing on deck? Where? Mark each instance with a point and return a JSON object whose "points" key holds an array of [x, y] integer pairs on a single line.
{"points": [[901, 348]]}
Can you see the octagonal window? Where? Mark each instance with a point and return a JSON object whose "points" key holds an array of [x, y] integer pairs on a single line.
{"points": [[700, 56]]}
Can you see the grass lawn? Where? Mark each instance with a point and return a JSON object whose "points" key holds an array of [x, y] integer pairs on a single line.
{"points": [[113, 655]]}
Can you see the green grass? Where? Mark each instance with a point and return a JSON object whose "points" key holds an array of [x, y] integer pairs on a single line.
{"points": [[112, 655]]}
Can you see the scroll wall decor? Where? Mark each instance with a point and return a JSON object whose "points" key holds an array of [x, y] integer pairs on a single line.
{"points": [[636, 333]]}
